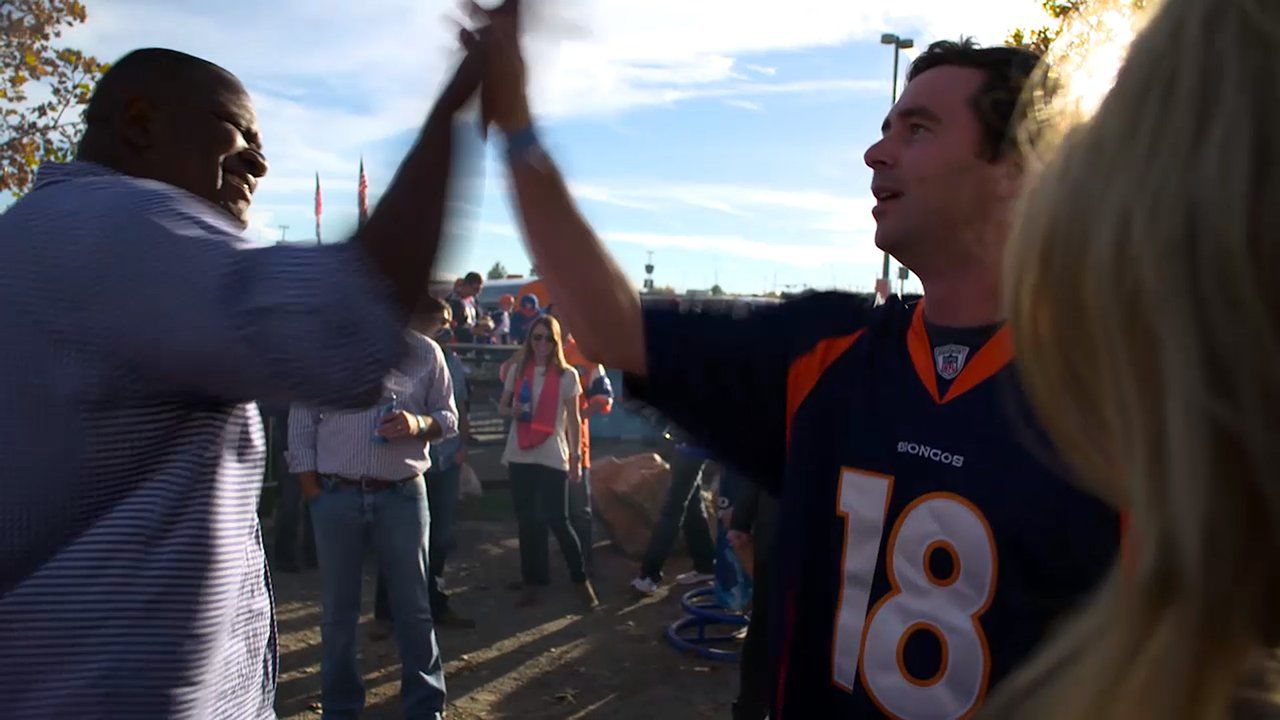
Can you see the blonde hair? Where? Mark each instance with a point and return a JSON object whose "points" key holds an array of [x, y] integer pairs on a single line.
{"points": [[1146, 315], [556, 358]]}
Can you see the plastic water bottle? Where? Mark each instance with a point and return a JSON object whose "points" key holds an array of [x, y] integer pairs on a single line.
{"points": [[393, 406], [526, 402]]}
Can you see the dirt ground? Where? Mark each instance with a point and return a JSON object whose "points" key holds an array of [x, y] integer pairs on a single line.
{"points": [[542, 662]]}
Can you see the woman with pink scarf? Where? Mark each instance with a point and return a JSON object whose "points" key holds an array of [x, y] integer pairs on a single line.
{"points": [[543, 453]]}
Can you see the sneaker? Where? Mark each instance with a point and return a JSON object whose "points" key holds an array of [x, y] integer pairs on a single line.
{"points": [[587, 594], [693, 577], [449, 618], [379, 630], [644, 585]]}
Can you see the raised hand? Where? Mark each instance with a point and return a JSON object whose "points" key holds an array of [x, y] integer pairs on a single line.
{"points": [[503, 99], [466, 79]]}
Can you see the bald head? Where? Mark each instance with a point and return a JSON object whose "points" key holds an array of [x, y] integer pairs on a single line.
{"points": [[176, 118], [163, 76]]}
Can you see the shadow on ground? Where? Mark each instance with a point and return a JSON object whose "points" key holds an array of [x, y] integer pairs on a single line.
{"points": [[543, 662]]}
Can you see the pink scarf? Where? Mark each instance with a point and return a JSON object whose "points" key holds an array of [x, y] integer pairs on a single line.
{"points": [[539, 428]]}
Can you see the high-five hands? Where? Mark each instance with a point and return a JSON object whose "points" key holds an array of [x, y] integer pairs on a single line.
{"points": [[493, 57]]}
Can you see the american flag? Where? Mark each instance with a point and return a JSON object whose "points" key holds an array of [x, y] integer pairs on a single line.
{"points": [[319, 208], [362, 195]]}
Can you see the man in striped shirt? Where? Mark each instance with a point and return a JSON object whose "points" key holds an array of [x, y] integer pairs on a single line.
{"points": [[138, 328], [362, 472]]}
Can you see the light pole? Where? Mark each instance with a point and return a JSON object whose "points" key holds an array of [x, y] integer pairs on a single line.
{"points": [[899, 44]]}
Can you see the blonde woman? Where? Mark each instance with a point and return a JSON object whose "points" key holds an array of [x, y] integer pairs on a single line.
{"points": [[1144, 301], [543, 455]]}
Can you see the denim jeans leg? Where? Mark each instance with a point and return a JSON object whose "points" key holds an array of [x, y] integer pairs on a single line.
{"points": [[286, 520], [442, 503], [381, 604], [697, 532], [534, 549], [553, 506], [339, 521], [401, 523], [308, 537], [686, 473]]}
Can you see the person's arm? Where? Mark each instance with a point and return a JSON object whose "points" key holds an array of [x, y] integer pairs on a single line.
{"points": [[596, 406], [461, 398], [729, 382], [733, 384], [599, 394], [441, 417], [457, 312], [171, 290], [506, 408], [302, 448], [573, 426], [442, 410], [403, 233], [591, 290]]}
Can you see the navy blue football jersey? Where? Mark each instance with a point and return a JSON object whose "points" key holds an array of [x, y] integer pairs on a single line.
{"points": [[927, 540]]}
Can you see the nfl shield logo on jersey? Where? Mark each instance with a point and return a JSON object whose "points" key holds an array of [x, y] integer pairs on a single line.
{"points": [[950, 360]]}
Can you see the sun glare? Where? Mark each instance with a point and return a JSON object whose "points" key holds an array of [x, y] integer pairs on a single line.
{"points": [[1089, 52], [1083, 63]]}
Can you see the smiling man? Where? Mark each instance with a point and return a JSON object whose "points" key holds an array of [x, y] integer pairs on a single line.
{"points": [[927, 540], [138, 330], [182, 121]]}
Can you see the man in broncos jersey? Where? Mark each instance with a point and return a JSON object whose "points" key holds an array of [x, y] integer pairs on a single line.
{"points": [[927, 539]]}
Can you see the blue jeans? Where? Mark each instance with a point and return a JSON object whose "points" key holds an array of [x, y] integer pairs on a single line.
{"points": [[290, 513], [541, 497], [396, 521], [442, 503], [682, 508]]}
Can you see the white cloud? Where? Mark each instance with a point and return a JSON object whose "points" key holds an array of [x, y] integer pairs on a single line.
{"points": [[600, 193], [776, 251], [261, 225], [591, 68], [744, 104], [378, 62], [495, 229], [333, 78], [810, 212]]}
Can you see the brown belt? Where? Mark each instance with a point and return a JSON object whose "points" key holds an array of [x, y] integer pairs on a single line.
{"points": [[370, 484]]}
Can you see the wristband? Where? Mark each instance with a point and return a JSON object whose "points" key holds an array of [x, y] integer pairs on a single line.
{"points": [[521, 142]]}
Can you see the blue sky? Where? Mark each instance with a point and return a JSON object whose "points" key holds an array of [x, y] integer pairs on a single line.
{"points": [[723, 136]]}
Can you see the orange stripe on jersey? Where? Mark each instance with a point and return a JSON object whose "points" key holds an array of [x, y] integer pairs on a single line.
{"points": [[808, 368], [921, 352], [989, 360]]}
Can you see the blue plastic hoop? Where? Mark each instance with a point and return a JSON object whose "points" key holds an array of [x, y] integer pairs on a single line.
{"points": [[704, 616]]}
